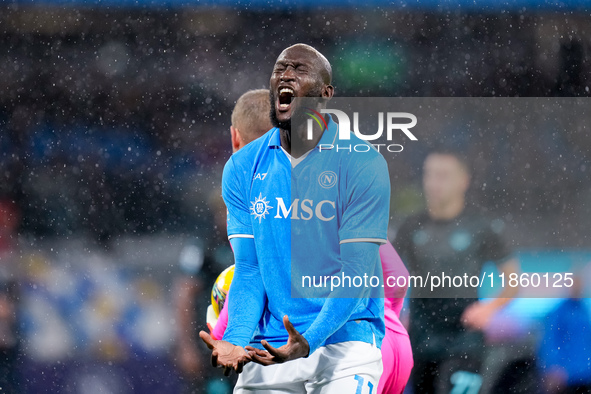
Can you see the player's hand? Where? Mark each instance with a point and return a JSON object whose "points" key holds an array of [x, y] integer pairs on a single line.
{"points": [[297, 346], [225, 355], [478, 315]]}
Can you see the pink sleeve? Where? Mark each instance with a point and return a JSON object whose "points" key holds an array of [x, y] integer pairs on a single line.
{"points": [[222, 323], [393, 266]]}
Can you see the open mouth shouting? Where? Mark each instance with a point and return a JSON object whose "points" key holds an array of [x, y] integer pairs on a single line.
{"points": [[284, 96]]}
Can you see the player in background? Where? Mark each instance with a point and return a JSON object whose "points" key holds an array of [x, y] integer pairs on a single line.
{"points": [[250, 120], [326, 344], [450, 237]]}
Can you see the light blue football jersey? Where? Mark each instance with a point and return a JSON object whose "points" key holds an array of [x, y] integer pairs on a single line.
{"points": [[299, 212]]}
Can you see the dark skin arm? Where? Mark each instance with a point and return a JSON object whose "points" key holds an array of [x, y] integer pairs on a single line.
{"points": [[225, 355], [296, 347]]}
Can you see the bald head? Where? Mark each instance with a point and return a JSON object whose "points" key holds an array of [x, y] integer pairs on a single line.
{"points": [[320, 62], [250, 117], [299, 71]]}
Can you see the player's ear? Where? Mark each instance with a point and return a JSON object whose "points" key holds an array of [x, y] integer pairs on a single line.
{"points": [[235, 139], [327, 91]]}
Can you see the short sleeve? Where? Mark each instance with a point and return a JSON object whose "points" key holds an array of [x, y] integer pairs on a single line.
{"points": [[494, 248], [366, 214], [238, 214]]}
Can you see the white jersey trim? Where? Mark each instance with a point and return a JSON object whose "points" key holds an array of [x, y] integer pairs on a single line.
{"points": [[376, 240], [240, 236], [293, 160]]}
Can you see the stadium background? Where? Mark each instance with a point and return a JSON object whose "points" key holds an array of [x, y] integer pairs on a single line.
{"points": [[114, 128]]}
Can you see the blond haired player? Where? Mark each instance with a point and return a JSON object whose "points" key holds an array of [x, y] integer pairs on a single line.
{"points": [[250, 120]]}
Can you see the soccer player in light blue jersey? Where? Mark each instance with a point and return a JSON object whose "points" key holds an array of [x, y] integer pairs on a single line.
{"points": [[326, 209]]}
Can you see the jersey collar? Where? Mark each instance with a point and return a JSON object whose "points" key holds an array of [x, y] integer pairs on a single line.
{"points": [[275, 140]]}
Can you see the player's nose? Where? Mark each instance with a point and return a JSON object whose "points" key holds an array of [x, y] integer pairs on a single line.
{"points": [[287, 75]]}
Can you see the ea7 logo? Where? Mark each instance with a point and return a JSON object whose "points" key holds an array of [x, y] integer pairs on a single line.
{"points": [[305, 210], [260, 175]]}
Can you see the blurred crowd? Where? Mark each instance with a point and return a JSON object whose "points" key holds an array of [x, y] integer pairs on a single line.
{"points": [[118, 122]]}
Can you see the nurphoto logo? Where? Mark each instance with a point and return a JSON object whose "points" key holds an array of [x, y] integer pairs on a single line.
{"points": [[395, 123]]}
